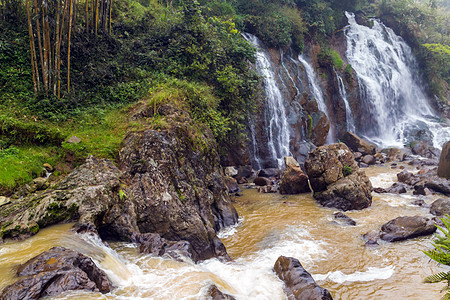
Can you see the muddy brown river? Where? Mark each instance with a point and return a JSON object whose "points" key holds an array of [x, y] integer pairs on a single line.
{"points": [[270, 225]]}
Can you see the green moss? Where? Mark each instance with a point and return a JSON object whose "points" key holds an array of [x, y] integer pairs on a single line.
{"points": [[34, 229], [346, 170], [58, 212]]}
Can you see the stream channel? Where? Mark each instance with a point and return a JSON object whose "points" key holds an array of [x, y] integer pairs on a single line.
{"points": [[270, 225]]}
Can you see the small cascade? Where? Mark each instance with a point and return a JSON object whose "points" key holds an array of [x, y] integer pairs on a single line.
{"points": [[316, 92], [350, 122], [274, 110], [393, 108]]}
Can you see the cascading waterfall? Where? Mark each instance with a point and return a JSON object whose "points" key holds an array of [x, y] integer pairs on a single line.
{"points": [[350, 122], [391, 95], [316, 92], [275, 112]]}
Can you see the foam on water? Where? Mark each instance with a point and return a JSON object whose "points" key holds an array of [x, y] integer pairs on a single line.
{"points": [[372, 273]]}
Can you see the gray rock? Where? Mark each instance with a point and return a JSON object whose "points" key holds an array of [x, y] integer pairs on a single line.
{"points": [[231, 184], [41, 183], [73, 140], [344, 219], [368, 159], [231, 171], [270, 172], [357, 144], [440, 207], [403, 228], [215, 294], [299, 284]]}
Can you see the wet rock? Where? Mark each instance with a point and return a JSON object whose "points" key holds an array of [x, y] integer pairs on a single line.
{"points": [[371, 238], [231, 171], [321, 128], [379, 190], [403, 228], [245, 171], [154, 244], [420, 189], [262, 181], [368, 160], [215, 294], [397, 188], [4, 201], [336, 179], [267, 189], [420, 202], [444, 162], [379, 157], [357, 155], [395, 154], [407, 177], [438, 184], [344, 219], [294, 181], [424, 149], [440, 207], [270, 172], [242, 180], [357, 144], [231, 184], [299, 284], [55, 271], [363, 165]]}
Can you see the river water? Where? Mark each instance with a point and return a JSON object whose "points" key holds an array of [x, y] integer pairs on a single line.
{"points": [[271, 225]]}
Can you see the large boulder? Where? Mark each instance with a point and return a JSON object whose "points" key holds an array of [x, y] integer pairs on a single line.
{"points": [[299, 284], [294, 181], [357, 144], [336, 179], [55, 271], [440, 207], [403, 228], [395, 154], [424, 149], [444, 162], [439, 184], [231, 184]]}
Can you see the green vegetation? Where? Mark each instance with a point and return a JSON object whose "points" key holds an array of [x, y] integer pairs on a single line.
{"points": [[346, 170], [441, 254]]}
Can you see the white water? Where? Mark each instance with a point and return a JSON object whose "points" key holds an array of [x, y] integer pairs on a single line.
{"points": [[316, 92], [275, 113], [350, 122], [390, 91]]}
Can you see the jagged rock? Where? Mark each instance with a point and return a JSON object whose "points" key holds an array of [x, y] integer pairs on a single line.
{"points": [[294, 181], [289, 161], [261, 181], [215, 294], [395, 154], [396, 188], [153, 243], [270, 172], [55, 271], [41, 183], [371, 238], [363, 165], [344, 219], [444, 162], [440, 207], [231, 171], [420, 202], [267, 189], [368, 159], [321, 128], [336, 180], [407, 177], [403, 228], [231, 184], [299, 284], [357, 144], [420, 189], [380, 158]]}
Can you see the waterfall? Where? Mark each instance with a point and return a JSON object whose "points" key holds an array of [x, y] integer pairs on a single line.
{"points": [[350, 122], [316, 92], [393, 104], [274, 111]]}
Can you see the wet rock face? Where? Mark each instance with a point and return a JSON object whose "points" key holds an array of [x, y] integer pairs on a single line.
{"points": [[440, 207], [55, 271], [403, 228], [175, 188], [215, 294], [444, 162], [336, 179], [298, 282], [294, 181]]}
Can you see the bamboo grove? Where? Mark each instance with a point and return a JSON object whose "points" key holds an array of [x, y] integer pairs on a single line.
{"points": [[51, 24]]}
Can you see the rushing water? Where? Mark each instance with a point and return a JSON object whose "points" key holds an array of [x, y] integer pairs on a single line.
{"points": [[350, 122], [271, 225], [274, 111], [316, 92], [391, 94]]}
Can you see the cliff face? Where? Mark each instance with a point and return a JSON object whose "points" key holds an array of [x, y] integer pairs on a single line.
{"points": [[168, 182]]}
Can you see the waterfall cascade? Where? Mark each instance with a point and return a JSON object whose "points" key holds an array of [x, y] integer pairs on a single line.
{"points": [[275, 112], [393, 104], [350, 122]]}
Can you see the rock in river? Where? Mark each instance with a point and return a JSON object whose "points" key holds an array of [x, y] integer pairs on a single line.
{"points": [[403, 228]]}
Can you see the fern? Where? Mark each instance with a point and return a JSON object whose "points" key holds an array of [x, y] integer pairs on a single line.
{"points": [[441, 254]]}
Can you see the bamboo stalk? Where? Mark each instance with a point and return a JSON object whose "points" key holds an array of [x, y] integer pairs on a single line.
{"points": [[87, 15], [57, 58], [32, 48], [68, 49], [44, 44], [110, 9]]}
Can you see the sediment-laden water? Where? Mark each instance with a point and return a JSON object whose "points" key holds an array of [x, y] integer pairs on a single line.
{"points": [[271, 225]]}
